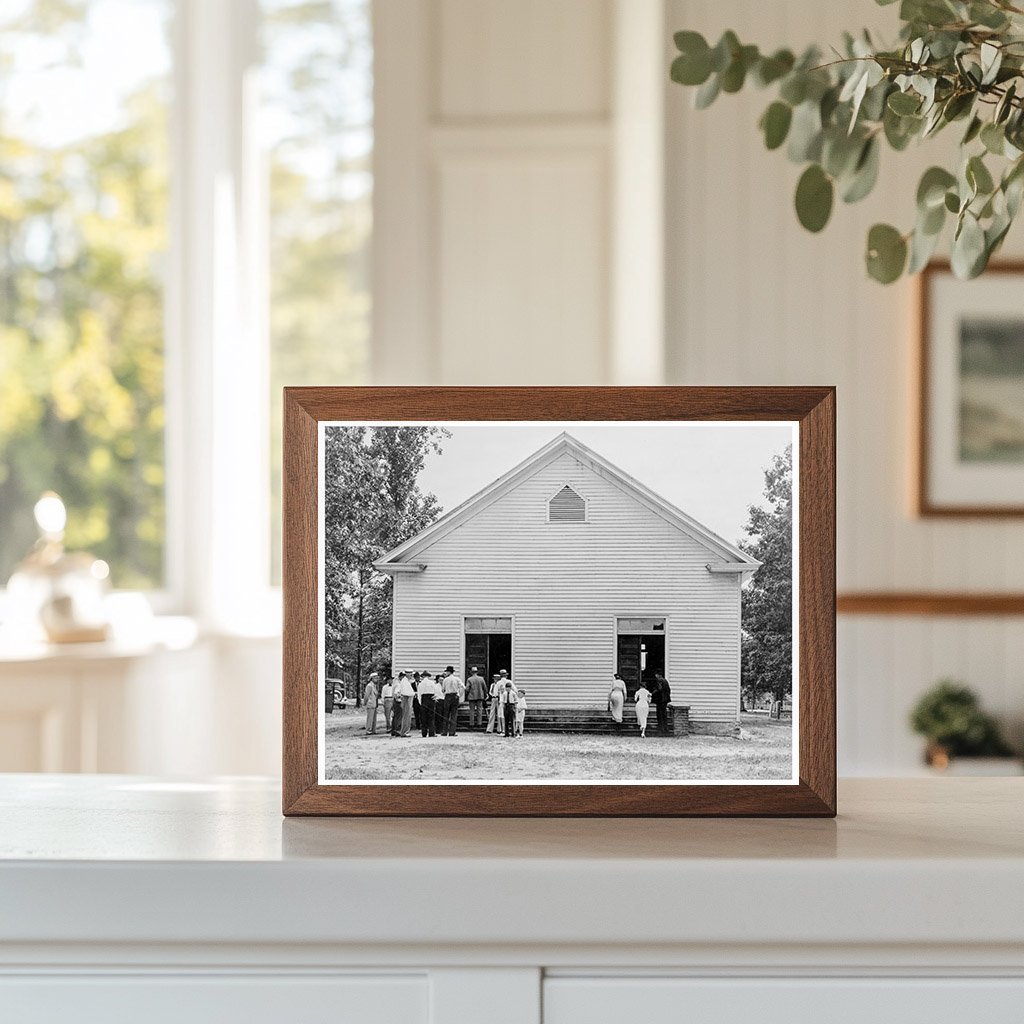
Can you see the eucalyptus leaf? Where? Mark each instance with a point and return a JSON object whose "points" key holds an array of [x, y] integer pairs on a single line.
{"points": [[865, 173], [805, 133], [1005, 105], [932, 220], [771, 69], [987, 15], [991, 60], [900, 130], [724, 51], [707, 93], [968, 248], [840, 152], [904, 103], [735, 74], [814, 195], [931, 190], [922, 247], [886, 253], [993, 138], [978, 176], [775, 124], [973, 130], [794, 88], [957, 106], [873, 106]]}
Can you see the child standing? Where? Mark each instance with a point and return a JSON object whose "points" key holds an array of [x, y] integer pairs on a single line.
{"points": [[520, 712], [509, 698]]}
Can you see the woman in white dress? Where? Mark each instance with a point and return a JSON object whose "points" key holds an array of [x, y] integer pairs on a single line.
{"points": [[643, 707], [617, 700]]}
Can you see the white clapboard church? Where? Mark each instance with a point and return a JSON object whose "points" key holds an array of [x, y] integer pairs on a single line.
{"points": [[564, 571]]}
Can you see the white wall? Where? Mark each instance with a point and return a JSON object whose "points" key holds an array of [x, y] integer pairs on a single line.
{"points": [[754, 299], [505, 134]]}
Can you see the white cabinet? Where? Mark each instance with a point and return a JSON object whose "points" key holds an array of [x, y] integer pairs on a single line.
{"points": [[831, 1000], [127, 899], [202, 999]]}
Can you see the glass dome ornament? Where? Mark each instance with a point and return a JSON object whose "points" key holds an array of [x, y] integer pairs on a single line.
{"points": [[56, 595]]}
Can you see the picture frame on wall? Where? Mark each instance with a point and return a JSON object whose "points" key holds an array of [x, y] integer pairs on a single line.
{"points": [[559, 601], [970, 384]]}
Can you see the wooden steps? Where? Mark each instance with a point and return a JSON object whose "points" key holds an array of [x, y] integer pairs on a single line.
{"points": [[594, 721]]}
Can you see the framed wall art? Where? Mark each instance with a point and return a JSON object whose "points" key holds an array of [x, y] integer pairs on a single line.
{"points": [[559, 601], [970, 445]]}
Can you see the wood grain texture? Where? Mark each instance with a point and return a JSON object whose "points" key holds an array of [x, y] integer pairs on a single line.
{"points": [[813, 408], [925, 603], [925, 506]]}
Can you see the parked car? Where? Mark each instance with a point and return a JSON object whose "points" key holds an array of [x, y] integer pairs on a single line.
{"points": [[334, 695]]}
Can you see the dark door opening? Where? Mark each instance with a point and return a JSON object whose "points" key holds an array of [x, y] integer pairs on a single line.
{"points": [[489, 653], [640, 656]]}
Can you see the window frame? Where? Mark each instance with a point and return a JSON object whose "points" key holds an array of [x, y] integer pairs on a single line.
{"points": [[216, 346]]}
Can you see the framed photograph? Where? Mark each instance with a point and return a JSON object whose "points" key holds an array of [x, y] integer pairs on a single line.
{"points": [[559, 601], [970, 450]]}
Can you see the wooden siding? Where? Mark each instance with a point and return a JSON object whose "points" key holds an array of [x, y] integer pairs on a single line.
{"points": [[564, 584]]}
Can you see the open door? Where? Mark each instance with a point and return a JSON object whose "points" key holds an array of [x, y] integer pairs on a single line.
{"points": [[488, 646], [640, 651]]}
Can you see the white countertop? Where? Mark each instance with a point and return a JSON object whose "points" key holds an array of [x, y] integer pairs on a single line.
{"points": [[121, 859]]}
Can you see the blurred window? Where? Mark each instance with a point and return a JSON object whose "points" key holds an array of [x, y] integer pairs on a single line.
{"points": [[83, 238], [317, 123]]}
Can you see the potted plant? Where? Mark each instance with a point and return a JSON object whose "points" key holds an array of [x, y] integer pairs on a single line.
{"points": [[950, 718]]}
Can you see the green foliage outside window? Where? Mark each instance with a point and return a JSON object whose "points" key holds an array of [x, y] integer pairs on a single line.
{"points": [[83, 219]]}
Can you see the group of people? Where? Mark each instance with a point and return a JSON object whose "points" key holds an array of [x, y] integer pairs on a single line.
{"points": [[431, 703], [660, 694]]}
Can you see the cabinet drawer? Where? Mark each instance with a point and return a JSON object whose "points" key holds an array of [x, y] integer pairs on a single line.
{"points": [[205, 999], [668, 1000]]}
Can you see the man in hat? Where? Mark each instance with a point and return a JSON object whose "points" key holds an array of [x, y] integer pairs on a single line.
{"points": [[427, 694], [662, 698], [452, 688], [370, 700], [476, 690]]}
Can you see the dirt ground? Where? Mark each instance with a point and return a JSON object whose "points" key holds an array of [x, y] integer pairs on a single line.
{"points": [[761, 752]]}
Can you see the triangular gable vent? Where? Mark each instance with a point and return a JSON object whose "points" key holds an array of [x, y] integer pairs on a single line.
{"points": [[567, 507]]}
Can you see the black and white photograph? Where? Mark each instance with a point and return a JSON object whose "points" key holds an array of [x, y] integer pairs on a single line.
{"points": [[557, 602]]}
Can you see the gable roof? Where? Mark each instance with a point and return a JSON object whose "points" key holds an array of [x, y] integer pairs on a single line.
{"points": [[402, 557]]}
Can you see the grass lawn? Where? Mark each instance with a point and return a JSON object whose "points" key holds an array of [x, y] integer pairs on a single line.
{"points": [[763, 751]]}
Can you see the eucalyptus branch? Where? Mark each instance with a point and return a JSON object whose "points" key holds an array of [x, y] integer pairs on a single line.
{"points": [[955, 61]]}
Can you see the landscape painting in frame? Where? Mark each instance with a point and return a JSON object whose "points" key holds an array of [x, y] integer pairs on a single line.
{"points": [[558, 602], [972, 393]]}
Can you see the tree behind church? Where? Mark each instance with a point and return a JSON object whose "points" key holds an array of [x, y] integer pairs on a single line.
{"points": [[767, 604], [373, 503]]}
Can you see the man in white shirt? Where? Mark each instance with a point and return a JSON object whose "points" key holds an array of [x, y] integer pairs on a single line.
{"points": [[426, 695], [406, 692], [494, 715], [387, 697], [453, 689]]}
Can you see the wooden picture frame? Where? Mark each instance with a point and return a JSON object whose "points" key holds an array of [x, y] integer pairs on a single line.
{"points": [[926, 502], [810, 409]]}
